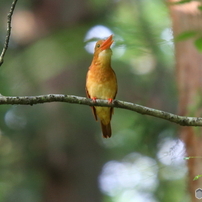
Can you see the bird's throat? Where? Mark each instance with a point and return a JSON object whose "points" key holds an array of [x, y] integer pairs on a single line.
{"points": [[103, 58]]}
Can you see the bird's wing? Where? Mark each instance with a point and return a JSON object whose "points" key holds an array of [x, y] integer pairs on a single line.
{"points": [[112, 109], [93, 108]]}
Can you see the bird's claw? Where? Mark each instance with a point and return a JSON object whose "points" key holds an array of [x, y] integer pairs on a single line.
{"points": [[94, 99], [110, 100]]}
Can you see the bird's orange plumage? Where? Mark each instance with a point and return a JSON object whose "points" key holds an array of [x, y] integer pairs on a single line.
{"points": [[101, 83]]}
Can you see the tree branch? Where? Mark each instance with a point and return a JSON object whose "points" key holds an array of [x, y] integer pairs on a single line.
{"points": [[31, 100], [8, 33]]}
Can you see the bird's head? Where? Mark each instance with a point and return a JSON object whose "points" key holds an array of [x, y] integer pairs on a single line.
{"points": [[102, 47]]}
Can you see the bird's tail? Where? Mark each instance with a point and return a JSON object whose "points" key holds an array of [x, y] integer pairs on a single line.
{"points": [[106, 130]]}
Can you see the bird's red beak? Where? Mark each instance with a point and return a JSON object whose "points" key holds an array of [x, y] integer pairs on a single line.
{"points": [[107, 43]]}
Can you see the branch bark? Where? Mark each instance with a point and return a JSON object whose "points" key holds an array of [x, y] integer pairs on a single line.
{"points": [[31, 100], [8, 33]]}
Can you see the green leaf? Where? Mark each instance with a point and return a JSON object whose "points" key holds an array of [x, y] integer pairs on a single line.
{"points": [[197, 177], [200, 8], [185, 35], [198, 44], [192, 157], [182, 2]]}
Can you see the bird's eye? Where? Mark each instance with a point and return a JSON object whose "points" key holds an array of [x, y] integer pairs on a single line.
{"points": [[98, 45]]}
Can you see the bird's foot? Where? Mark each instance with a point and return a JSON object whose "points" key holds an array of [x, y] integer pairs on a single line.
{"points": [[94, 99], [110, 100]]}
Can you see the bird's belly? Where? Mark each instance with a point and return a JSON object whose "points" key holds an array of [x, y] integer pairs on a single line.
{"points": [[103, 90]]}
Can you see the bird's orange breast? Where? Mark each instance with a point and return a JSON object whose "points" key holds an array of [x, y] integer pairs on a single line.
{"points": [[101, 83]]}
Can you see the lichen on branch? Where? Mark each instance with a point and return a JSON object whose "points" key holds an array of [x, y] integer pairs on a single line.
{"points": [[31, 100]]}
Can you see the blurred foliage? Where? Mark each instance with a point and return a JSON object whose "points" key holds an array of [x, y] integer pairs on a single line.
{"points": [[36, 140], [185, 35], [198, 44], [182, 2]]}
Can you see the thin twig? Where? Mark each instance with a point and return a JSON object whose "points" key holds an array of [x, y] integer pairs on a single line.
{"points": [[31, 100], [8, 33]]}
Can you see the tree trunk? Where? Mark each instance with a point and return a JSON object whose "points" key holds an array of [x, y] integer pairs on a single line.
{"points": [[187, 17]]}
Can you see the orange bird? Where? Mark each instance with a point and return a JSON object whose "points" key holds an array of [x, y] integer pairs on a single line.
{"points": [[101, 83]]}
